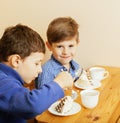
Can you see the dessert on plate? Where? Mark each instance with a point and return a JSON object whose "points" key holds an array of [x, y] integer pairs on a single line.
{"points": [[86, 79], [64, 105]]}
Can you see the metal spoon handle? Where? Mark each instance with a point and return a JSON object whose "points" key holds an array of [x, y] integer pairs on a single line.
{"points": [[78, 76]]}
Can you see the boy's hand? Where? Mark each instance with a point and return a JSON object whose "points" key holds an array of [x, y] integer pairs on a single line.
{"points": [[64, 79]]}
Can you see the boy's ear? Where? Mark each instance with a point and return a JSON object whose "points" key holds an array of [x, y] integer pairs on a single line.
{"points": [[14, 60], [48, 45], [79, 41]]}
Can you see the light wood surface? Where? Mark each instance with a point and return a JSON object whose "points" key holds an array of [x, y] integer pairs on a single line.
{"points": [[107, 110]]}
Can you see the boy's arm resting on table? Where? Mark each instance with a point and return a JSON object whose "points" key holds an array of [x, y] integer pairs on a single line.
{"points": [[25, 103]]}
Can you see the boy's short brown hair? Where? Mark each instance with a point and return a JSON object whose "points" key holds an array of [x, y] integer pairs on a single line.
{"points": [[21, 40], [62, 28]]}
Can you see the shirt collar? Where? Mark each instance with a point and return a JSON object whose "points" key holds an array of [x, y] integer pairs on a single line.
{"points": [[58, 65]]}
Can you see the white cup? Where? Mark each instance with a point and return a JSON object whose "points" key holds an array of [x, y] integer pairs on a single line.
{"points": [[89, 98], [98, 73]]}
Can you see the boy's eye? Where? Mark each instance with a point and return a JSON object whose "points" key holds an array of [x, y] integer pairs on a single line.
{"points": [[71, 45], [37, 64], [59, 46]]}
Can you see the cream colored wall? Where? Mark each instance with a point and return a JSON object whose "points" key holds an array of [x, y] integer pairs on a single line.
{"points": [[99, 24]]}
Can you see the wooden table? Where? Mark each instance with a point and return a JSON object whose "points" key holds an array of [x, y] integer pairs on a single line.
{"points": [[107, 110]]}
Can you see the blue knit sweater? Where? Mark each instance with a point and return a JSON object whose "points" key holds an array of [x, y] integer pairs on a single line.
{"points": [[17, 103]]}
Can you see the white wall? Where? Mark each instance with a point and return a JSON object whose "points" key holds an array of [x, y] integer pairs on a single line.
{"points": [[99, 24]]}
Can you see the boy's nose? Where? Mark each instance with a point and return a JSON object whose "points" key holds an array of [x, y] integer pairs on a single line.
{"points": [[65, 51], [39, 70]]}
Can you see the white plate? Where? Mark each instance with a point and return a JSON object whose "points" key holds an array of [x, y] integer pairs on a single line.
{"points": [[75, 109], [81, 86]]}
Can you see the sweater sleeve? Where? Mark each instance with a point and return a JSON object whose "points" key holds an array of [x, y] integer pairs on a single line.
{"points": [[21, 102]]}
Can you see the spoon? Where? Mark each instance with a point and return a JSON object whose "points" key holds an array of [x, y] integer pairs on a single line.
{"points": [[78, 73]]}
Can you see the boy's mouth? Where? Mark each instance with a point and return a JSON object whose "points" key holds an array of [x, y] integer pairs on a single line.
{"points": [[65, 57]]}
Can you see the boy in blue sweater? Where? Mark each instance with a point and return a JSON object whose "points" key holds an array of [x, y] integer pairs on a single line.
{"points": [[62, 41], [21, 53]]}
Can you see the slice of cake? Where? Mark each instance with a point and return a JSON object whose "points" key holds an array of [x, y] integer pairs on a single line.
{"points": [[64, 105], [85, 79], [83, 83]]}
